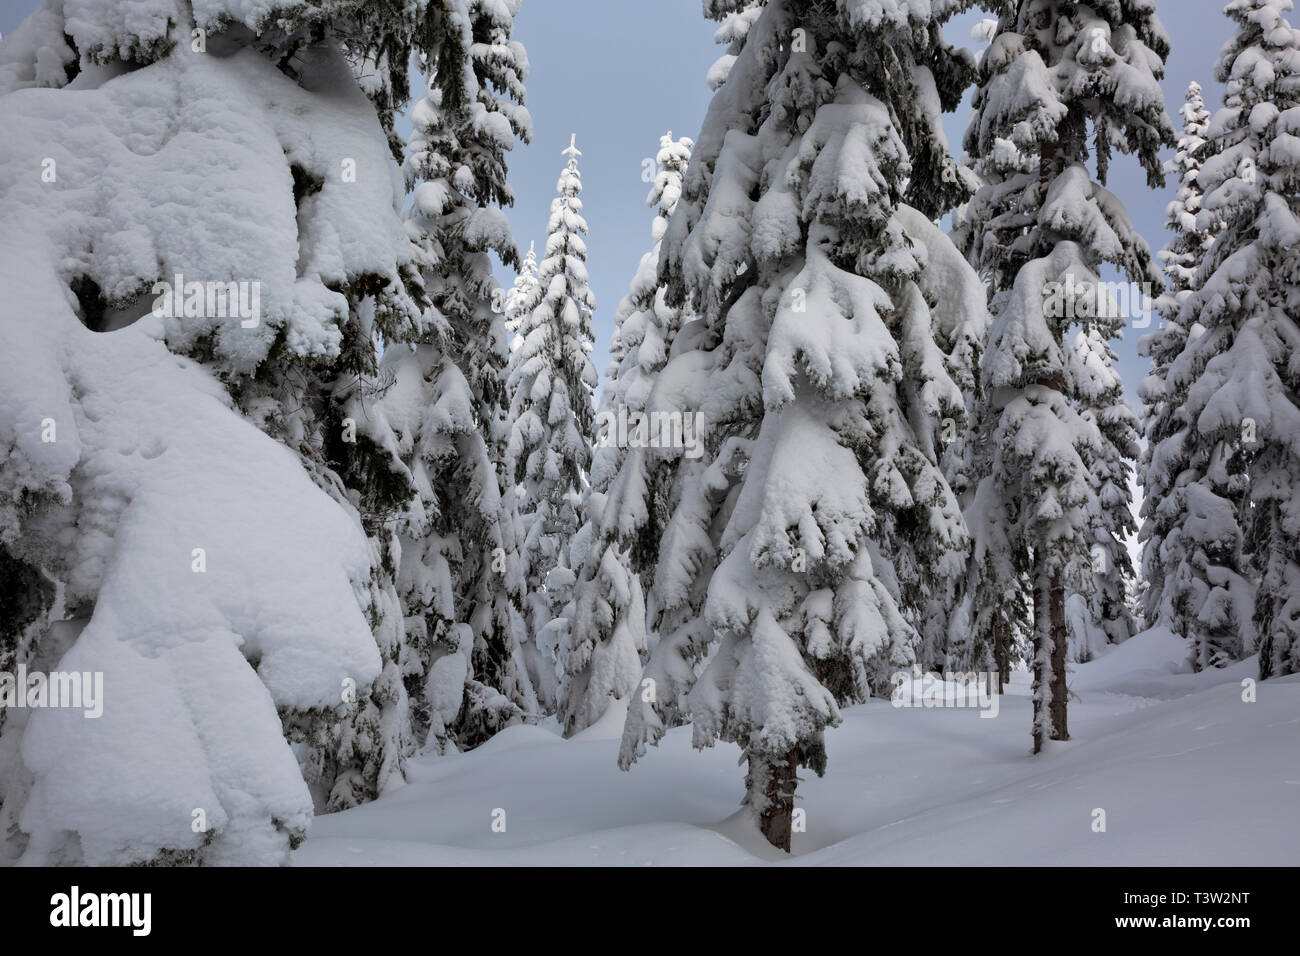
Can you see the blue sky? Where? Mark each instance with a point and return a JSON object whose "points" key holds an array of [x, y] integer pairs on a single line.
{"points": [[620, 73]]}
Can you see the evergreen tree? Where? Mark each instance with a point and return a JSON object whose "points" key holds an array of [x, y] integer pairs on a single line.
{"points": [[817, 501], [1103, 613], [1241, 371], [1165, 398], [521, 291], [460, 574], [551, 385], [285, 622], [608, 617], [1040, 230]]}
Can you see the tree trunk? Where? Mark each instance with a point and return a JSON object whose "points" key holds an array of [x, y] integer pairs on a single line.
{"points": [[1060, 639], [776, 777], [1042, 634], [1002, 652]]}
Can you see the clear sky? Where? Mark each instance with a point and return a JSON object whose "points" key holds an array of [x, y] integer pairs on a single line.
{"points": [[620, 73]]}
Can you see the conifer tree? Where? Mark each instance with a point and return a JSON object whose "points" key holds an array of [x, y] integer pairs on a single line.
{"points": [[1241, 372], [1165, 397], [1102, 612], [1040, 230], [818, 497], [608, 636], [460, 574], [522, 289], [282, 628], [551, 385]]}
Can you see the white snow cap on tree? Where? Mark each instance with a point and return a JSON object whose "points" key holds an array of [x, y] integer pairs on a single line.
{"points": [[732, 31]]}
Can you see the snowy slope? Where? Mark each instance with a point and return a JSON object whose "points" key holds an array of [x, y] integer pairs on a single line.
{"points": [[1170, 756]]}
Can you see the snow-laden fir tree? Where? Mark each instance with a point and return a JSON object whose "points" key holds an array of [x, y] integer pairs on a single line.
{"points": [[1099, 614], [1164, 398], [225, 557], [818, 499], [1241, 371], [522, 290], [1040, 230], [551, 385], [608, 617], [460, 577]]}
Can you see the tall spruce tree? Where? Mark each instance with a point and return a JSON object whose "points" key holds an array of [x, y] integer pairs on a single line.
{"points": [[1040, 230], [1165, 396], [608, 631], [460, 577], [1101, 613], [551, 384], [818, 499], [1241, 371], [522, 290]]}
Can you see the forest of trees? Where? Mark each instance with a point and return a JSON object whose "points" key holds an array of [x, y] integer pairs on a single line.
{"points": [[862, 413]]}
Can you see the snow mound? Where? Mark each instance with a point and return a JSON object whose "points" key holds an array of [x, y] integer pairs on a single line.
{"points": [[1155, 664]]}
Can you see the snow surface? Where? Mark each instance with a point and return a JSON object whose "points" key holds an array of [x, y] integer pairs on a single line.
{"points": [[1170, 755]]}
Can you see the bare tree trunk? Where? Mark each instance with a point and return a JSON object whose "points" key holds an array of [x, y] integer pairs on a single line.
{"points": [[1042, 634], [1002, 653], [1060, 639], [776, 777]]}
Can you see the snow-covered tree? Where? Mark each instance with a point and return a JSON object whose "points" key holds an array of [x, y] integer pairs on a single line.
{"points": [[814, 510], [1099, 394], [607, 636], [522, 290], [1040, 230], [551, 385], [223, 551], [1240, 368], [460, 578], [1164, 398]]}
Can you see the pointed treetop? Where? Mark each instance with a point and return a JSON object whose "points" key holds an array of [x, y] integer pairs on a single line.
{"points": [[572, 152]]}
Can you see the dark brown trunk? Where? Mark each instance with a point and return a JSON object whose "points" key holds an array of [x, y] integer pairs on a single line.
{"points": [[778, 776], [1001, 653], [1059, 640], [1042, 600]]}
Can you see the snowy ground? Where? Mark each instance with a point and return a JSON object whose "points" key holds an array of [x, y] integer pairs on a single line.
{"points": [[1186, 771]]}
